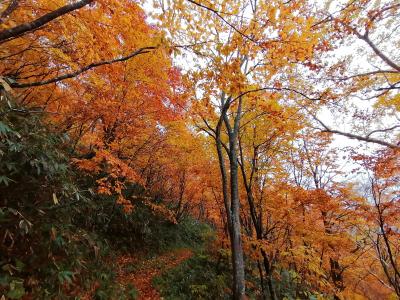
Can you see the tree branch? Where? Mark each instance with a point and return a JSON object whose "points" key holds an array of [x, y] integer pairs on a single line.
{"points": [[39, 22], [218, 14], [377, 72], [366, 138], [10, 8], [275, 89], [382, 130], [84, 69], [378, 52]]}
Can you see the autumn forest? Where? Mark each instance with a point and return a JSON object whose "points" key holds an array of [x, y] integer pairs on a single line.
{"points": [[200, 149]]}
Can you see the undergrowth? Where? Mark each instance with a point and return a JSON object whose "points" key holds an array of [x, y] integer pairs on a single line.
{"points": [[58, 238]]}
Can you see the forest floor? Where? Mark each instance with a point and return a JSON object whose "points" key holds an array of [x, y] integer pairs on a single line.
{"points": [[140, 273]]}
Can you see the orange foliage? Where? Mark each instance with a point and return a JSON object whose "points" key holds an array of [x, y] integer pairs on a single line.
{"points": [[142, 122]]}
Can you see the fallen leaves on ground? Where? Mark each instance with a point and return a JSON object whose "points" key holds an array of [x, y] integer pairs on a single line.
{"points": [[140, 274]]}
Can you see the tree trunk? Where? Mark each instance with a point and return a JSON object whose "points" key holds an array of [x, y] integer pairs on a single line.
{"points": [[260, 271], [232, 203], [257, 220], [236, 241], [268, 272]]}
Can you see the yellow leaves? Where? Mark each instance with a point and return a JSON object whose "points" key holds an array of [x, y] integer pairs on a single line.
{"points": [[272, 13], [225, 50], [388, 101], [392, 296]]}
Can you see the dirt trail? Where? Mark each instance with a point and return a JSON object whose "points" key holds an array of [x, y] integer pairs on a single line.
{"points": [[143, 272]]}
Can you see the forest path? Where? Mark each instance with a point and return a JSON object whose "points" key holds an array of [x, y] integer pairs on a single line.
{"points": [[140, 274]]}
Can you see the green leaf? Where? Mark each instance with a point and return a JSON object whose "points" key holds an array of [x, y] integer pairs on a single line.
{"points": [[65, 276], [59, 241], [17, 290], [19, 265], [5, 180], [4, 129], [4, 280]]}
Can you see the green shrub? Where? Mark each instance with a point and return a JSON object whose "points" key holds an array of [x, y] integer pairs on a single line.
{"points": [[45, 249], [203, 276]]}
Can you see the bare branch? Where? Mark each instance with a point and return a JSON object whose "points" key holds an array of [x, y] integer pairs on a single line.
{"points": [[379, 13], [383, 130], [366, 138], [378, 52], [393, 86]]}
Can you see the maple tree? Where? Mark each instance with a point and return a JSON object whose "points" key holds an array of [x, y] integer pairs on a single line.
{"points": [[210, 110]]}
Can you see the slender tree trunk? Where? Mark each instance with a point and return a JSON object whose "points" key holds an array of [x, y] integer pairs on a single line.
{"points": [[224, 177], [236, 241], [256, 218], [260, 271], [268, 272], [336, 269], [232, 201]]}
